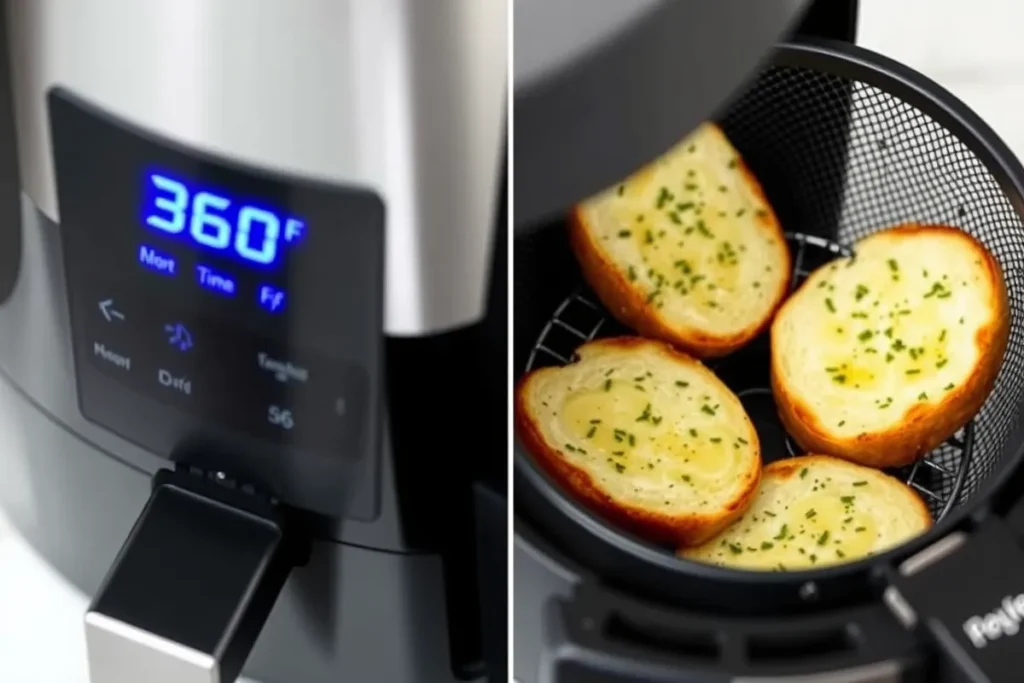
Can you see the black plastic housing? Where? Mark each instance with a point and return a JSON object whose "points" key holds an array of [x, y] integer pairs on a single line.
{"points": [[202, 568]]}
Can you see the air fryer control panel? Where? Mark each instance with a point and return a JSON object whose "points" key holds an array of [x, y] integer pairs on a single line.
{"points": [[217, 309]]}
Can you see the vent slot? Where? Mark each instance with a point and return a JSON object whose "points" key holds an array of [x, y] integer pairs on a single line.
{"points": [[808, 645], [663, 638]]}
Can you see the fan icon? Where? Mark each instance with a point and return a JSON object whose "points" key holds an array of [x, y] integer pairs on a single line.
{"points": [[178, 336]]}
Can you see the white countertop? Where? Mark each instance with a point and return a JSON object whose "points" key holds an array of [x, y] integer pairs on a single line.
{"points": [[42, 639], [41, 635]]}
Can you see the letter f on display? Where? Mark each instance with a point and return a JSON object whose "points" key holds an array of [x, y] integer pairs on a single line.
{"points": [[271, 298]]}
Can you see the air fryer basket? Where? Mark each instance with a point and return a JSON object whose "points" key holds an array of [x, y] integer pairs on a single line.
{"points": [[845, 143]]}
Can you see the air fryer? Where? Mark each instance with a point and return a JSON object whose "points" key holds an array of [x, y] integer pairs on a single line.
{"points": [[845, 142], [244, 247]]}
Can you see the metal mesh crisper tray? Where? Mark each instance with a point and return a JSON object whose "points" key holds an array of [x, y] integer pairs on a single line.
{"points": [[939, 477]]}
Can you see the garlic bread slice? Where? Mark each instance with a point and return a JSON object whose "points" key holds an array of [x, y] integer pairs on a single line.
{"points": [[686, 250], [814, 511], [881, 358], [645, 435]]}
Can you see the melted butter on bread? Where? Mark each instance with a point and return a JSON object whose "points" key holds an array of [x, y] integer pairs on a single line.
{"points": [[644, 430], [649, 427], [816, 511], [694, 236], [865, 340]]}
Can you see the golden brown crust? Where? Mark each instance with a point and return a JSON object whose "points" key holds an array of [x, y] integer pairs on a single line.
{"points": [[923, 428], [630, 306], [677, 530]]}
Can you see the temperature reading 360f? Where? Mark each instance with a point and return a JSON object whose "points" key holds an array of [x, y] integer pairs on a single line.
{"points": [[218, 222], [281, 417]]}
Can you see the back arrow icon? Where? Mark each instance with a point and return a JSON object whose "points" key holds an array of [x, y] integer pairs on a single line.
{"points": [[109, 312]]}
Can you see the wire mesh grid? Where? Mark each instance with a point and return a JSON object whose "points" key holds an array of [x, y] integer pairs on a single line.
{"points": [[844, 158], [939, 477]]}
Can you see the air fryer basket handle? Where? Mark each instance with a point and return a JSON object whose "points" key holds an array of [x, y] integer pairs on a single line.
{"points": [[965, 592], [192, 586]]}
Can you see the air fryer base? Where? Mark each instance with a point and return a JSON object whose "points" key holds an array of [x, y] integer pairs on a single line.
{"points": [[546, 582], [343, 612]]}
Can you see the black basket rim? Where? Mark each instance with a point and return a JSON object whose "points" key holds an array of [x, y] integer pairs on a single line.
{"points": [[857, 64]]}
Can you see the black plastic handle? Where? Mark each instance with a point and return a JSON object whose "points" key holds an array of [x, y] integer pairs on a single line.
{"points": [[192, 586], [966, 592]]}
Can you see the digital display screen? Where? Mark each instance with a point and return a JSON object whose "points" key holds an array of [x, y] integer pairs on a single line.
{"points": [[245, 231], [208, 219], [212, 303]]}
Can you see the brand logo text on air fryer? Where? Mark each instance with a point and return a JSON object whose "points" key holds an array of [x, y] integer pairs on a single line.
{"points": [[1005, 620]]}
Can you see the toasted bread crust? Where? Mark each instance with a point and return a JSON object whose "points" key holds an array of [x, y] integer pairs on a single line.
{"points": [[789, 468], [659, 527], [629, 304], [922, 428]]}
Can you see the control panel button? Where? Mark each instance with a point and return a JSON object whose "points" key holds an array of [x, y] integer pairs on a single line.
{"points": [[216, 281], [109, 311], [318, 405], [174, 381], [157, 261], [280, 417], [270, 298], [282, 370], [111, 357], [178, 336]]}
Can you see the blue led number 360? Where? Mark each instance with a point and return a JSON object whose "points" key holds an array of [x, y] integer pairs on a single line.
{"points": [[212, 222]]}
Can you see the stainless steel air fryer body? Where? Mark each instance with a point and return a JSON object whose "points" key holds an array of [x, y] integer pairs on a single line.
{"points": [[371, 133], [391, 96]]}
